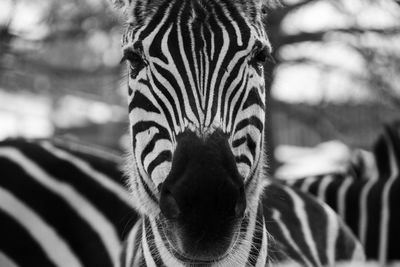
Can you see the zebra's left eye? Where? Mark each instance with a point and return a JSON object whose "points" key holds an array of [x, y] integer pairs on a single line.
{"points": [[136, 62], [133, 57], [262, 55]]}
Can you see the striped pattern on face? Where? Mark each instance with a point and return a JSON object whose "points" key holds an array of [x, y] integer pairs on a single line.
{"points": [[367, 200], [194, 66]]}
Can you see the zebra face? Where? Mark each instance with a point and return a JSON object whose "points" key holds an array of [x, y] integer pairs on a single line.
{"points": [[196, 107]]}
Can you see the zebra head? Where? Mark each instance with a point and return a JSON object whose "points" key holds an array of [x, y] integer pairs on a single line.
{"points": [[196, 108]]}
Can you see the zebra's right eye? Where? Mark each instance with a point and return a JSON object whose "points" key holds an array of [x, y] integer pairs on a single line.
{"points": [[135, 60], [132, 57]]}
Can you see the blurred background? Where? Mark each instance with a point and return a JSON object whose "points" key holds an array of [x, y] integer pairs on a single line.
{"points": [[336, 77]]}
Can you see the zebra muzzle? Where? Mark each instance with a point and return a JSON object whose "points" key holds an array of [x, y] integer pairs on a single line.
{"points": [[203, 197]]}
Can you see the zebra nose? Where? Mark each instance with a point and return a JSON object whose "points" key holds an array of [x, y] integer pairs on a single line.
{"points": [[168, 205], [203, 182]]}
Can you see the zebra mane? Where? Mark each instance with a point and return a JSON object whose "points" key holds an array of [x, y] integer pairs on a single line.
{"points": [[136, 11]]}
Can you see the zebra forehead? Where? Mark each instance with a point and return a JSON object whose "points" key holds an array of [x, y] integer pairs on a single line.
{"points": [[138, 11]]}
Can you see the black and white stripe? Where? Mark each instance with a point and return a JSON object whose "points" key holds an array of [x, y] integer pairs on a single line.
{"points": [[60, 206], [367, 200]]}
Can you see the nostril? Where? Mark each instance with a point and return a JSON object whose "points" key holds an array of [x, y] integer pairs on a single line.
{"points": [[168, 205]]}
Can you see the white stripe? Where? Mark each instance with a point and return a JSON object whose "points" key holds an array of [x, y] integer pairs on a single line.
{"points": [[307, 183], [332, 233], [193, 55], [160, 145], [5, 261], [363, 202], [290, 182], [299, 210], [146, 250], [323, 186], [276, 215], [97, 176], [131, 244], [385, 216], [56, 249], [161, 172], [190, 75], [341, 198], [262, 257], [222, 54], [82, 206]]}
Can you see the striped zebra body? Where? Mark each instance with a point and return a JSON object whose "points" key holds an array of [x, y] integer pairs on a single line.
{"points": [[367, 201], [60, 206]]}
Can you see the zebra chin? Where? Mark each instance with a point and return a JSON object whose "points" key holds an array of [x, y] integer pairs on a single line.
{"points": [[206, 247], [202, 200]]}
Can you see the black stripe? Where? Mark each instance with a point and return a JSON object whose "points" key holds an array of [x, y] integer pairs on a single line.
{"points": [[254, 98], [253, 120], [162, 157], [155, 21], [234, 74], [394, 221], [243, 159], [239, 142], [239, 102], [314, 185], [344, 246], [318, 222], [78, 234], [112, 207], [141, 101], [100, 164], [374, 207], [331, 195], [19, 245], [151, 145], [277, 198], [155, 254], [176, 106], [147, 189]]}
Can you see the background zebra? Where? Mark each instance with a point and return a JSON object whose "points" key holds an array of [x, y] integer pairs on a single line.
{"points": [[367, 200], [61, 205]]}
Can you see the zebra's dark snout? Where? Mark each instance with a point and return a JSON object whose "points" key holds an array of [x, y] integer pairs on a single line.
{"points": [[203, 194]]}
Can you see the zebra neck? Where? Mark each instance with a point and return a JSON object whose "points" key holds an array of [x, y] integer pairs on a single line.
{"points": [[153, 248]]}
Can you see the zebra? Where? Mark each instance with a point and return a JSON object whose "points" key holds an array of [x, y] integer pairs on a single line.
{"points": [[195, 167], [366, 196], [61, 204]]}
